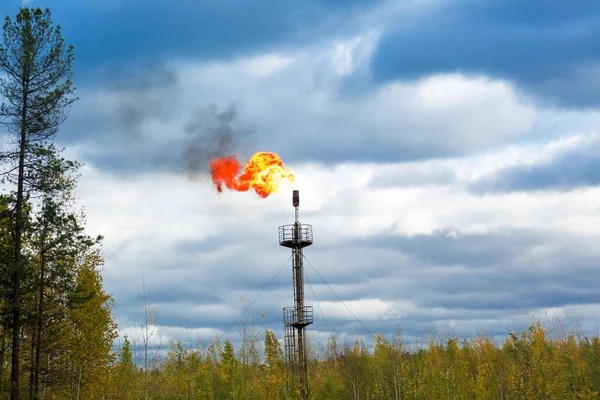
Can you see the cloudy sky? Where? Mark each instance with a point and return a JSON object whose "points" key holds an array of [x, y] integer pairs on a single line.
{"points": [[446, 154]]}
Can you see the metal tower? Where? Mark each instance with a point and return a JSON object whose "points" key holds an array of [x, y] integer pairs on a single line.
{"points": [[295, 319]]}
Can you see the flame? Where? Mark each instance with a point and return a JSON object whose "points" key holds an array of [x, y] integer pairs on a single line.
{"points": [[264, 172]]}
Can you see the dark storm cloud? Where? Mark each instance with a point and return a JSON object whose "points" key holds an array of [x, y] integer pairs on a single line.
{"points": [[142, 94], [571, 169], [129, 32], [549, 48]]}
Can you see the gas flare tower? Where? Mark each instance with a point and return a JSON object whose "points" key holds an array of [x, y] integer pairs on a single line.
{"points": [[296, 318]]}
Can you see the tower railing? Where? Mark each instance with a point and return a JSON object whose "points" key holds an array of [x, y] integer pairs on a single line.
{"points": [[287, 235], [291, 317]]}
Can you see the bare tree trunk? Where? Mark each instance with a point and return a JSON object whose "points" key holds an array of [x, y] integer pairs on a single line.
{"points": [[31, 362], [145, 346], [397, 394], [79, 381], [501, 382], [448, 380], [2, 355], [16, 297], [146, 337], [39, 319]]}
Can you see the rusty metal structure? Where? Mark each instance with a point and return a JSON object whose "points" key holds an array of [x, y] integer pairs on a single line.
{"points": [[296, 318]]}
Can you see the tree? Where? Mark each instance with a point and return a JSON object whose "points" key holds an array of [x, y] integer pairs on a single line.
{"points": [[228, 370], [36, 84], [273, 351], [274, 361], [91, 329], [58, 236], [124, 372]]}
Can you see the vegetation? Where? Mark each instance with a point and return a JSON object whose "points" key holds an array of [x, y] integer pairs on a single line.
{"points": [[536, 363]]}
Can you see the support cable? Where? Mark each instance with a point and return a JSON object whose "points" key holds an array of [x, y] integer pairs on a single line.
{"points": [[338, 297], [318, 305], [388, 349], [247, 307], [335, 355]]}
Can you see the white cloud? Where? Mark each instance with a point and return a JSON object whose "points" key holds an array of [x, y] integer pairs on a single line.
{"points": [[449, 111]]}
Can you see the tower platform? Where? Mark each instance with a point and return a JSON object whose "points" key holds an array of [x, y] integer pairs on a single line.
{"points": [[291, 317], [287, 237]]}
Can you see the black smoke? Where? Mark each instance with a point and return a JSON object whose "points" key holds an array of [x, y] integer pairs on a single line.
{"points": [[213, 133]]}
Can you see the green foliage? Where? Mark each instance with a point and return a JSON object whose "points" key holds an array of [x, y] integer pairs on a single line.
{"points": [[37, 68]]}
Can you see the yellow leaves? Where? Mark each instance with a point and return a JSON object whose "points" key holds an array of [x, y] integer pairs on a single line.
{"points": [[355, 349], [223, 375], [532, 364]]}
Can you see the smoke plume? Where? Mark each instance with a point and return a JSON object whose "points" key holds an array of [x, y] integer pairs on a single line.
{"points": [[213, 133], [151, 93]]}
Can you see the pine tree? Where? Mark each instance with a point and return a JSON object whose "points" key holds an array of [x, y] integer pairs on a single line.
{"points": [[36, 84], [229, 370], [123, 374]]}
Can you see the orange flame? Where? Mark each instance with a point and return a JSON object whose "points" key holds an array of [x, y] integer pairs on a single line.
{"points": [[264, 173]]}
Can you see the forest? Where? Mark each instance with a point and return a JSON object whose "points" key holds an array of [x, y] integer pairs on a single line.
{"points": [[57, 327], [543, 361]]}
